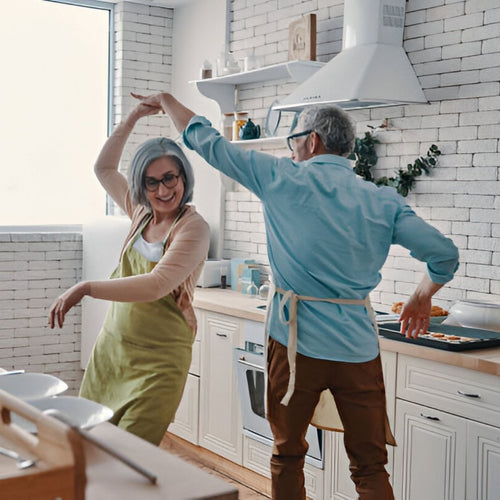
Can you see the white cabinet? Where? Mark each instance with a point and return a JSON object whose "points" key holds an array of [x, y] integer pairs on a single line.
{"points": [[220, 416], [483, 461], [185, 424], [339, 483], [430, 456], [448, 434], [186, 421], [256, 457]]}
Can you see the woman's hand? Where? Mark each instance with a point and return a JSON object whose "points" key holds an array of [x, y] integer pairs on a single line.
{"points": [[152, 103], [66, 301]]}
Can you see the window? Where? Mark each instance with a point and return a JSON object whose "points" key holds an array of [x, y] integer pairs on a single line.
{"points": [[55, 101]]}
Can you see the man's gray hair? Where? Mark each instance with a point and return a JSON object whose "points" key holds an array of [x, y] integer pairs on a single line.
{"points": [[146, 153], [333, 125]]}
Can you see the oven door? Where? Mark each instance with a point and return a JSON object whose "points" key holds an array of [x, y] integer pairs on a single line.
{"points": [[251, 386]]}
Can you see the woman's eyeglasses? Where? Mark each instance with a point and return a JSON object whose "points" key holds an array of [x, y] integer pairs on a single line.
{"points": [[291, 138], [168, 180]]}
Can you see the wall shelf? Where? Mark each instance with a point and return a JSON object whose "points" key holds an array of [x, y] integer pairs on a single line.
{"points": [[222, 88], [263, 142]]}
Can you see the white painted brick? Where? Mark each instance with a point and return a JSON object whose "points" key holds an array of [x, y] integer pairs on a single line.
{"points": [[445, 66], [479, 243], [481, 33], [443, 93], [475, 256], [460, 78], [463, 22], [426, 55], [484, 215], [442, 40], [486, 160], [478, 201], [428, 28], [462, 50], [479, 146]]}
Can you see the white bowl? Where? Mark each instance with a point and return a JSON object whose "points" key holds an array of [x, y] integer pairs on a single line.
{"points": [[475, 314], [82, 412], [27, 386]]}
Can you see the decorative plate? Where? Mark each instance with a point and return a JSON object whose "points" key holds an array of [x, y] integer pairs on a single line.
{"points": [[272, 120]]}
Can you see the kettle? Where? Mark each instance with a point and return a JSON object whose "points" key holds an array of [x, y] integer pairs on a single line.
{"points": [[250, 130]]}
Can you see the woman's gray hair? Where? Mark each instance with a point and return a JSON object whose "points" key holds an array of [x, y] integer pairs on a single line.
{"points": [[333, 125], [146, 153]]}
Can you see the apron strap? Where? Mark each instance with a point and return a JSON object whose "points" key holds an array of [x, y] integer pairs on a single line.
{"points": [[291, 297]]}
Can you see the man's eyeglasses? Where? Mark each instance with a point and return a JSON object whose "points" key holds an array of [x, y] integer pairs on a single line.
{"points": [[168, 180], [291, 138]]}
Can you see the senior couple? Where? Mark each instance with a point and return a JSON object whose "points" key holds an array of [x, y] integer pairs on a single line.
{"points": [[328, 235]]}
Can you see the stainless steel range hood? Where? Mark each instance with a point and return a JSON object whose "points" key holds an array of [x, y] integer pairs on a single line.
{"points": [[372, 70]]}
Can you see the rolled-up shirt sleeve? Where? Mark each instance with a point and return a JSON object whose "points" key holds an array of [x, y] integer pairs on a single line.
{"points": [[426, 244]]}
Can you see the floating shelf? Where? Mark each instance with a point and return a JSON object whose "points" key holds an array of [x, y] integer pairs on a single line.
{"points": [[261, 143], [222, 88]]}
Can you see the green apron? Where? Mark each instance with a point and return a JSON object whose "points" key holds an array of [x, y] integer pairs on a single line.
{"points": [[141, 358]]}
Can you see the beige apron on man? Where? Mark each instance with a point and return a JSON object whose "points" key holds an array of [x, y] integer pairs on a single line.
{"points": [[326, 415], [141, 359]]}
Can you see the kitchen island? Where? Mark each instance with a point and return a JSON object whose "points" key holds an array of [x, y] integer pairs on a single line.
{"points": [[438, 400]]}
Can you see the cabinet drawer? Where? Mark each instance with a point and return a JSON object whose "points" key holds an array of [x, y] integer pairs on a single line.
{"points": [[456, 390]]}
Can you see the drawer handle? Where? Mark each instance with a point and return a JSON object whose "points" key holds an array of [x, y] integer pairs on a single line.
{"points": [[224, 335], [429, 417], [468, 394]]}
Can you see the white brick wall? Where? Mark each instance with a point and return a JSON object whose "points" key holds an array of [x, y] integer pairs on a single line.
{"points": [[34, 269], [455, 51]]}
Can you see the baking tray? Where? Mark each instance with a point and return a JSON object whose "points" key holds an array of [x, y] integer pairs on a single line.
{"points": [[479, 339]]}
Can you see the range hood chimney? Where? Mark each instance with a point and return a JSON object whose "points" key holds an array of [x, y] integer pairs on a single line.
{"points": [[372, 70]]}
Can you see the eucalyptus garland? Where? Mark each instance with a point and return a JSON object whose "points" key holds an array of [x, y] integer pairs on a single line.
{"points": [[365, 157]]}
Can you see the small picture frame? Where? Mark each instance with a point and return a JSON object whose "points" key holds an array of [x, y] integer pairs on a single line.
{"points": [[302, 39]]}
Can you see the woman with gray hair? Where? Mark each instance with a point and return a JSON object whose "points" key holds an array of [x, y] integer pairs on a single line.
{"points": [[141, 358]]}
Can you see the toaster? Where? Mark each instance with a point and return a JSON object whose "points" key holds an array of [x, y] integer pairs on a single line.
{"points": [[212, 272]]}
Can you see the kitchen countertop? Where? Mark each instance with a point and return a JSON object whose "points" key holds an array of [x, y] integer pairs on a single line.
{"points": [[240, 305]]}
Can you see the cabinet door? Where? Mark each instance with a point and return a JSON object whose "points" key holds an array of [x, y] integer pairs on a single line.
{"points": [[483, 461], [185, 424], [220, 416], [430, 457]]}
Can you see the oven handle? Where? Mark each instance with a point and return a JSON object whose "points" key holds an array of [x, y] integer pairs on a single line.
{"points": [[252, 365]]}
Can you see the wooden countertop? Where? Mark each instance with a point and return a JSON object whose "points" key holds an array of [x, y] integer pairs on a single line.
{"points": [[240, 305]]}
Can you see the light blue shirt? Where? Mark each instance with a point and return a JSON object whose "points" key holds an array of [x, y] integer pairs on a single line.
{"points": [[328, 235]]}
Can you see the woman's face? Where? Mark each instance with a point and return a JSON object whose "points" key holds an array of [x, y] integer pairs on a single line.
{"points": [[164, 197]]}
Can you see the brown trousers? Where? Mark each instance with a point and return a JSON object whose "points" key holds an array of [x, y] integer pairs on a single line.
{"points": [[359, 394]]}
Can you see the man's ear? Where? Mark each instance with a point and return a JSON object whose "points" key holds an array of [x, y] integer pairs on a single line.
{"points": [[315, 146]]}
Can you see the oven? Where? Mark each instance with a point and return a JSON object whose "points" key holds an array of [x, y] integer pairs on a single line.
{"points": [[249, 366]]}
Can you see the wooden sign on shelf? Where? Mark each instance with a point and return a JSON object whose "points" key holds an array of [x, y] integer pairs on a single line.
{"points": [[302, 39]]}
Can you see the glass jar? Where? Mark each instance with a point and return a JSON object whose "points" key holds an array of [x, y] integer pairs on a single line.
{"points": [[240, 118], [227, 125]]}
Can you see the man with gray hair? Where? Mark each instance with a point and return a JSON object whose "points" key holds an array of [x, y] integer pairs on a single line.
{"points": [[328, 235]]}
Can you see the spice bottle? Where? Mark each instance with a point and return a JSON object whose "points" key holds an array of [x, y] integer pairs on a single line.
{"points": [[227, 125], [206, 70]]}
